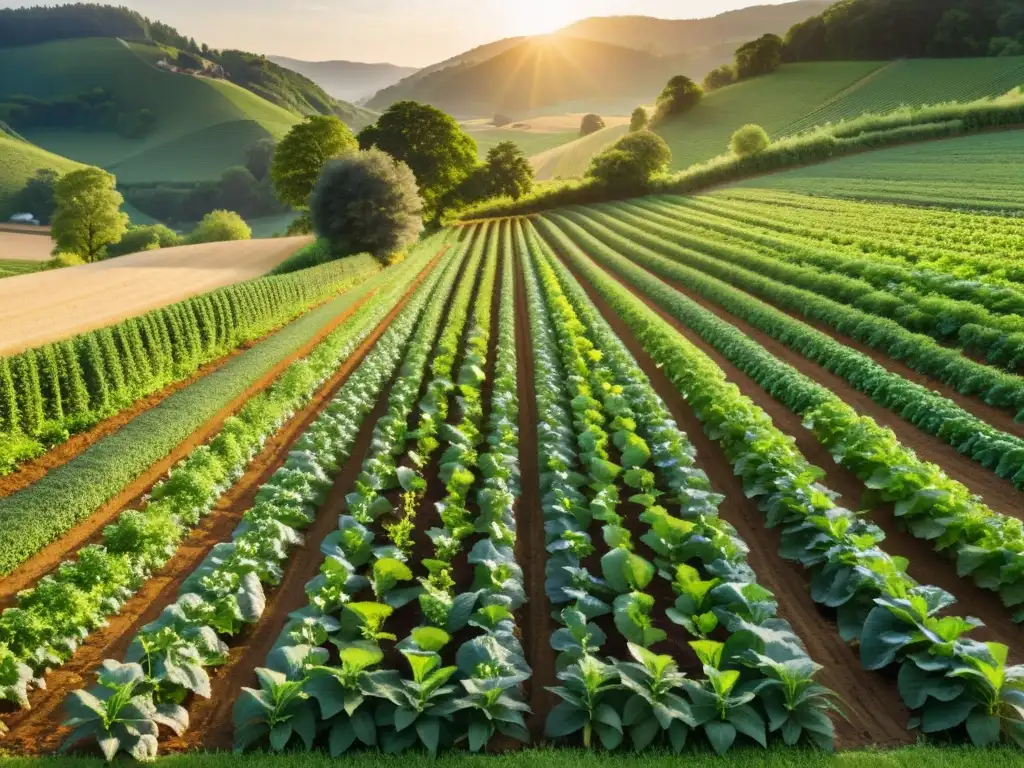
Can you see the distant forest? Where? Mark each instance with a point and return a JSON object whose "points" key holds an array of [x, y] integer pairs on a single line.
{"points": [[894, 29], [43, 24]]}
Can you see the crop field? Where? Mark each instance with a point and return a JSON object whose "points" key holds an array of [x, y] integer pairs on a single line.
{"points": [[202, 126], [95, 295], [12, 267], [971, 173], [671, 475]]}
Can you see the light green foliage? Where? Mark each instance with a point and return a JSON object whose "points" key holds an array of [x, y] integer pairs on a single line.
{"points": [[639, 120], [632, 161], [88, 216], [749, 140], [144, 238], [300, 156], [220, 226]]}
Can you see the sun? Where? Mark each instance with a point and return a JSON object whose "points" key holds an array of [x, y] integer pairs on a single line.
{"points": [[541, 17]]}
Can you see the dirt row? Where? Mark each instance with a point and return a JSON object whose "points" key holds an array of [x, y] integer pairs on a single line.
{"points": [[871, 701], [37, 731]]}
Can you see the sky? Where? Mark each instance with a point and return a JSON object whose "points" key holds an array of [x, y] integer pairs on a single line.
{"points": [[412, 33]]}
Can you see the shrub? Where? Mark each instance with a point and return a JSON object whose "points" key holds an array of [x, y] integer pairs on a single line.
{"points": [[145, 238], [719, 77], [678, 97], [750, 140], [591, 124], [631, 161], [639, 121], [759, 57], [367, 203], [220, 226]]}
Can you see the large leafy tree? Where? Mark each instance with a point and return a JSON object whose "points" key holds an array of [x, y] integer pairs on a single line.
{"points": [[303, 153], [508, 171], [431, 143], [88, 214], [759, 57], [631, 162], [367, 202], [591, 124]]}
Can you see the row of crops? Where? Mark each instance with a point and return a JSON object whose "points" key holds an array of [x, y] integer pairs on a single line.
{"points": [[425, 617]]}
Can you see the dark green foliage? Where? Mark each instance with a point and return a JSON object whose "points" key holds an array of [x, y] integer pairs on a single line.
{"points": [[759, 57], [431, 143], [891, 29], [678, 97], [591, 124], [258, 158], [300, 157], [36, 197], [640, 120], [30, 398], [507, 172], [631, 161], [719, 77], [367, 202], [10, 419], [49, 384], [92, 110]]}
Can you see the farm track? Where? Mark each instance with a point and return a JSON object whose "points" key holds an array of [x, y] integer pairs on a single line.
{"points": [[1000, 494], [36, 731], [537, 625], [876, 715], [926, 565], [90, 529]]}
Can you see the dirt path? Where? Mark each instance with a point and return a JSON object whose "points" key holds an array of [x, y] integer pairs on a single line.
{"points": [[537, 624], [926, 565], [871, 701], [37, 731], [49, 306], [90, 529], [1000, 494]]}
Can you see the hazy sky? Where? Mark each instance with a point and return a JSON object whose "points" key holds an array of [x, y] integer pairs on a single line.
{"points": [[407, 32]]}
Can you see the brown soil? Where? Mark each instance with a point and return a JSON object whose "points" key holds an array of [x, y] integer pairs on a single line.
{"points": [[36, 731], [876, 715], [926, 565], [1000, 494], [531, 553], [90, 530]]}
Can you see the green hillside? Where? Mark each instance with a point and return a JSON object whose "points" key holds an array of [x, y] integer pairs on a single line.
{"points": [[918, 82], [19, 161], [572, 160], [772, 101], [973, 172], [532, 143], [206, 124]]}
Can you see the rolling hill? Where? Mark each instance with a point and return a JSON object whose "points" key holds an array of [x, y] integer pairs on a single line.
{"points": [[548, 73], [347, 80], [19, 161], [202, 126]]}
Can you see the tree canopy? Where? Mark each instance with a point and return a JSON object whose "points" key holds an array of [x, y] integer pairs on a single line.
{"points": [[367, 202], [639, 120], [759, 57], [719, 77], [302, 154], [591, 124], [891, 29], [632, 161], [88, 214], [679, 96], [507, 171], [220, 226], [749, 140], [430, 142]]}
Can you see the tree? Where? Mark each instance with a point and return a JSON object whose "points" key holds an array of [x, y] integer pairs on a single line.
{"points": [[220, 226], [259, 157], [750, 140], [759, 57], [631, 162], [303, 153], [37, 196], [591, 124], [508, 172], [367, 202], [88, 214], [431, 143], [719, 77], [639, 121], [678, 97]]}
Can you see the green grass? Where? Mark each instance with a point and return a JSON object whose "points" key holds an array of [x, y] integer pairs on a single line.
{"points": [[572, 160], [910, 757], [772, 101], [972, 173], [531, 143], [12, 267], [268, 226], [19, 161], [918, 82], [198, 119]]}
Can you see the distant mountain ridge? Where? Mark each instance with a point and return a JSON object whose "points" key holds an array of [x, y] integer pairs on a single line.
{"points": [[515, 76], [347, 80]]}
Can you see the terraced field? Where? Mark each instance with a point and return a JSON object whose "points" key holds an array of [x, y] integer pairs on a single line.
{"points": [[685, 475]]}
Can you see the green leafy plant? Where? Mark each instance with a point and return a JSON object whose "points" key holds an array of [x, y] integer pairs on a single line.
{"points": [[797, 706], [588, 704], [657, 704], [721, 708]]}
